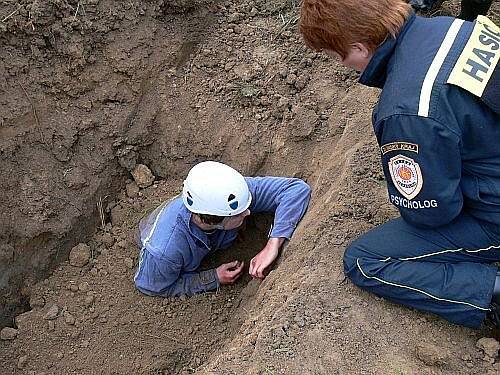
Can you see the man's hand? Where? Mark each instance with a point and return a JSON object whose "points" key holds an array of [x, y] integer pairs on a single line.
{"points": [[228, 273], [265, 257]]}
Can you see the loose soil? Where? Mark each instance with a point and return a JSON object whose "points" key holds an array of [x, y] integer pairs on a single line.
{"points": [[90, 89]]}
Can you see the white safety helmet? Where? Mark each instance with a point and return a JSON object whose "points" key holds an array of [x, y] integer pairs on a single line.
{"points": [[213, 188]]}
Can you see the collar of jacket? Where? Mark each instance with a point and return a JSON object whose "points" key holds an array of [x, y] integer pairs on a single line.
{"points": [[375, 72], [193, 228]]}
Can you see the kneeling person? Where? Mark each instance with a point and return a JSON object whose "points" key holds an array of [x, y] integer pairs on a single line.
{"points": [[215, 200]]}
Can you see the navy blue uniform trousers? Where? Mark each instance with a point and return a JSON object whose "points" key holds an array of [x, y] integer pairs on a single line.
{"points": [[447, 270]]}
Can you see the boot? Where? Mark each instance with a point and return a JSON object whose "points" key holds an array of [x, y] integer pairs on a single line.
{"points": [[492, 320], [470, 9]]}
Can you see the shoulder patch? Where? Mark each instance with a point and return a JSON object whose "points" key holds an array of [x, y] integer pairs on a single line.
{"points": [[478, 60], [399, 146], [406, 176]]}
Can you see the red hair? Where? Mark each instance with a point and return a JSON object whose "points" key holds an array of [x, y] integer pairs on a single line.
{"points": [[336, 24]]}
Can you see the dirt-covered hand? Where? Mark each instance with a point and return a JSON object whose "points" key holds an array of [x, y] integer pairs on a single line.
{"points": [[228, 273], [265, 257]]}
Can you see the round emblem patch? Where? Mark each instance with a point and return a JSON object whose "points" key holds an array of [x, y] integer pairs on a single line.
{"points": [[406, 176]]}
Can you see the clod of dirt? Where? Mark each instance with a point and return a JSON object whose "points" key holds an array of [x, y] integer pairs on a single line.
{"points": [[106, 239], [83, 287], [132, 190], [127, 157], [489, 346], [79, 255], [22, 320], [52, 313], [75, 178], [37, 302], [89, 300], [129, 263], [6, 253], [21, 363], [69, 319], [304, 122], [143, 176], [432, 355], [73, 287], [8, 333], [122, 244]]}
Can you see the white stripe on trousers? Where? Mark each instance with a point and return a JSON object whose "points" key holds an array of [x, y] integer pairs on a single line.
{"points": [[421, 291]]}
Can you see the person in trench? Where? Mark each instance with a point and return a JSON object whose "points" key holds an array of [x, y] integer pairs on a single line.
{"points": [[214, 203], [437, 123]]}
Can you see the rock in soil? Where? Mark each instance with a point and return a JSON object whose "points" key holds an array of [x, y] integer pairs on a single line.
{"points": [[52, 313], [489, 346], [106, 239], [21, 363], [69, 319], [37, 302], [143, 176], [132, 190], [89, 300], [8, 333], [432, 355], [79, 255]]}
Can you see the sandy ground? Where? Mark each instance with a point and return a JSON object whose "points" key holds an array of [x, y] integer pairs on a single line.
{"points": [[91, 90]]}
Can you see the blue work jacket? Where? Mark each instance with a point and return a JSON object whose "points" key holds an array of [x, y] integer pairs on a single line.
{"points": [[439, 142], [172, 246]]}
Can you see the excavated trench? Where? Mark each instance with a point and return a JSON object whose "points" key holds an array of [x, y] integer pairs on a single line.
{"points": [[92, 96], [77, 112], [91, 102], [88, 91]]}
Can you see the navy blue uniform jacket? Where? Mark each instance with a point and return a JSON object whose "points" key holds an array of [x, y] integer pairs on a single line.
{"points": [[440, 144]]}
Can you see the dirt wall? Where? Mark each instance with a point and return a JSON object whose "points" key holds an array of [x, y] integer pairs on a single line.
{"points": [[91, 88], [78, 101]]}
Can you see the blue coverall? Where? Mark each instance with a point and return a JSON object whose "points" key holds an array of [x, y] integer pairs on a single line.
{"points": [[440, 150], [172, 247]]}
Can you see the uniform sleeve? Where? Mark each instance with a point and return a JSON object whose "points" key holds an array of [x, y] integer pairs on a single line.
{"points": [[287, 198], [164, 277], [422, 164]]}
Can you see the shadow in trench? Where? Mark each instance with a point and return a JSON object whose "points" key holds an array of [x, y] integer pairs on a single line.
{"points": [[251, 239]]}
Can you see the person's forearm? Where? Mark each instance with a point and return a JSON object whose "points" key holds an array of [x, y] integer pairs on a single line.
{"points": [[276, 242]]}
